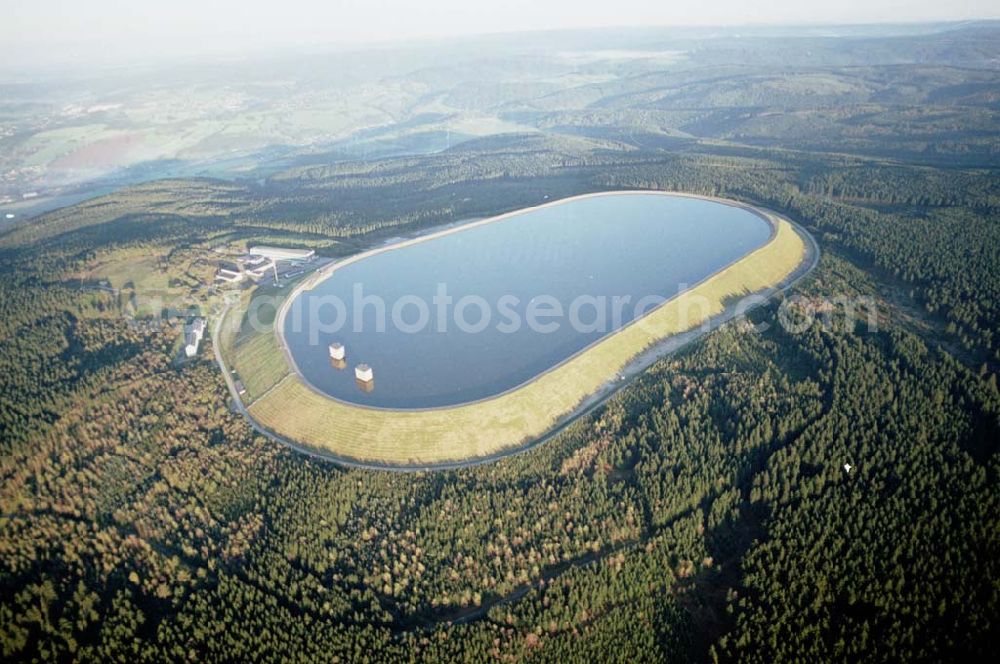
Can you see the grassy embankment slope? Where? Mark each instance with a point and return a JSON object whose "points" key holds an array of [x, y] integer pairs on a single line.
{"points": [[297, 413], [252, 350]]}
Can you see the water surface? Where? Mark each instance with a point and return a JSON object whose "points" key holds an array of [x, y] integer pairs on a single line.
{"points": [[627, 245]]}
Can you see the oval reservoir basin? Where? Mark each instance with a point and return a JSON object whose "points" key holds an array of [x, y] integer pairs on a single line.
{"points": [[489, 295]]}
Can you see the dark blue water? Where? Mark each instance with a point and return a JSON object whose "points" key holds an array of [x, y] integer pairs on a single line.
{"points": [[634, 245]]}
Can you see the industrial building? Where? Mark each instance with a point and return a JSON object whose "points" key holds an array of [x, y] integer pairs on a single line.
{"points": [[261, 260], [191, 344], [260, 270], [250, 260], [229, 276], [193, 333], [282, 254]]}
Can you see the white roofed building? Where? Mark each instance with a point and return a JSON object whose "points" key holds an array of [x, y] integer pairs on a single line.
{"points": [[281, 253], [193, 334], [250, 260], [260, 270], [191, 344], [229, 276], [197, 327]]}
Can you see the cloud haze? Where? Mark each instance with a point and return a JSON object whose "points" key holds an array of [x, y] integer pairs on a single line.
{"points": [[67, 30]]}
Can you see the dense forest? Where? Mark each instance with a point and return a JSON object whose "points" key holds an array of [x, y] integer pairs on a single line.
{"points": [[705, 512]]}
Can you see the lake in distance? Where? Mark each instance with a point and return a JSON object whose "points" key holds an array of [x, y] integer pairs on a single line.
{"points": [[631, 245]]}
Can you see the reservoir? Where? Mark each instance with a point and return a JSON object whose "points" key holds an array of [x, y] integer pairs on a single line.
{"points": [[506, 300]]}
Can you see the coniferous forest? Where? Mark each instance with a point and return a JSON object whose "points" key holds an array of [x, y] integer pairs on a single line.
{"points": [[703, 513]]}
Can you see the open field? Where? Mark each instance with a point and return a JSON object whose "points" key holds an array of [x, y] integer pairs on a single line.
{"points": [[140, 272], [295, 413]]}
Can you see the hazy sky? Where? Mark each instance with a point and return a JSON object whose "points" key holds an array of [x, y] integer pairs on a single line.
{"points": [[65, 29]]}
